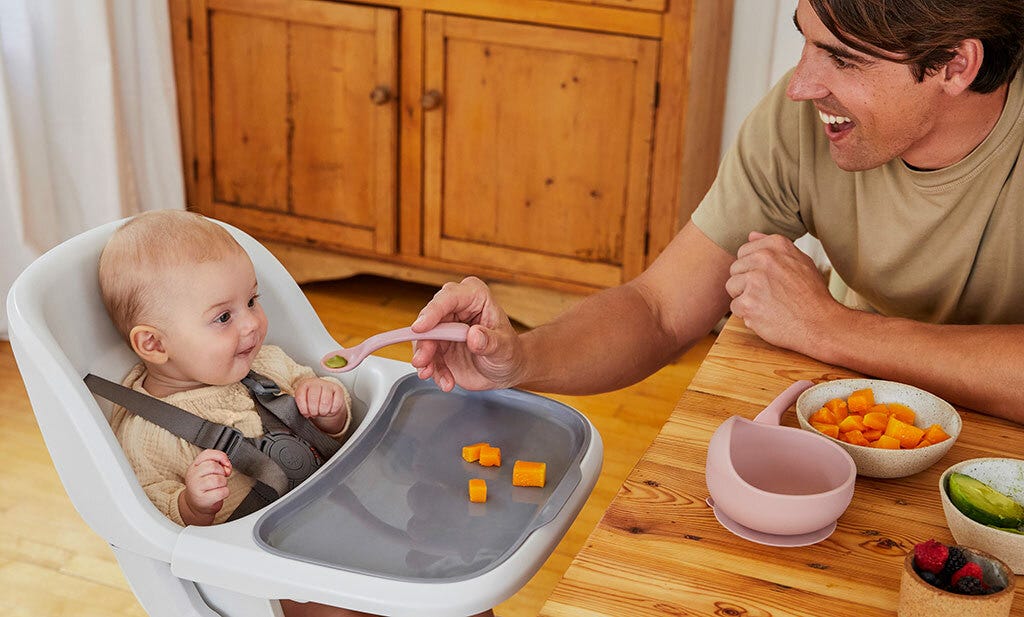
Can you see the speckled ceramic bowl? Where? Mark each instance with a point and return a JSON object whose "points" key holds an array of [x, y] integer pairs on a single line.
{"points": [[878, 462], [920, 599], [1005, 475]]}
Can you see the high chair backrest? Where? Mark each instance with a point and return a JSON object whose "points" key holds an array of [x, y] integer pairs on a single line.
{"points": [[60, 331]]}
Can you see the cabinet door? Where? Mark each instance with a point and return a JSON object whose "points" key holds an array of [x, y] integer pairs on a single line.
{"points": [[537, 153], [296, 118]]}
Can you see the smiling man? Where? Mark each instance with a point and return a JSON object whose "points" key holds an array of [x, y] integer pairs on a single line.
{"points": [[897, 142]]}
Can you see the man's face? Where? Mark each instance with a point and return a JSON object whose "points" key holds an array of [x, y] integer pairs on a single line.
{"points": [[872, 110]]}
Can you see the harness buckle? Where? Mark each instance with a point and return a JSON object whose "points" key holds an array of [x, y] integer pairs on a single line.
{"points": [[226, 438], [261, 386]]}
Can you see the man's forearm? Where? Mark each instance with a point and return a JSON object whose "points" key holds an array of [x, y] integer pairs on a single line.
{"points": [[608, 341], [978, 367]]}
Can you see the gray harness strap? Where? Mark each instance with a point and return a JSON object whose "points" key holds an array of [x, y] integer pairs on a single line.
{"points": [[203, 433], [278, 461]]}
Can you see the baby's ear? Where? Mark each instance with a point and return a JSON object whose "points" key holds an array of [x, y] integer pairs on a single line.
{"points": [[148, 344]]}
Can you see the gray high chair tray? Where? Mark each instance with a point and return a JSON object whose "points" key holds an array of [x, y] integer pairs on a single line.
{"points": [[396, 503]]}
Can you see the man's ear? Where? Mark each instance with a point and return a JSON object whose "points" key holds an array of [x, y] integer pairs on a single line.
{"points": [[960, 71], [148, 343]]}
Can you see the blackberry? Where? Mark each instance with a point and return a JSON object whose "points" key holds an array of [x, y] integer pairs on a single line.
{"points": [[954, 562], [968, 585]]}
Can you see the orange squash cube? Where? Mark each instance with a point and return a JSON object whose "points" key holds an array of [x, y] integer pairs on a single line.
{"points": [[902, 412], [872, 434], [908, 434], [935, 434], [854, 437], [832, 430], [823, 416], [876, 420], [528, 473], [881, 408], [490, 457], [852, 423], [838, 408], [886, 442], [861, 400], [477, 490], [471, 453], [924, 443]]}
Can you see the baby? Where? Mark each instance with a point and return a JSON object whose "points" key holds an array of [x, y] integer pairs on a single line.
{"points": [[184, 294]]}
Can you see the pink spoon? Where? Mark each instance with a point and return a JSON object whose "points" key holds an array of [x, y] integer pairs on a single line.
{"points": [[347, 358]]}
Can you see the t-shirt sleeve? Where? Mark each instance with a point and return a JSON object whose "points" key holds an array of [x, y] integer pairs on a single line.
{"points": [[756, 188]]}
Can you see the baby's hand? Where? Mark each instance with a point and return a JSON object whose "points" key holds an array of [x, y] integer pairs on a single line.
{"points": [[206, 487], [323, 402]]}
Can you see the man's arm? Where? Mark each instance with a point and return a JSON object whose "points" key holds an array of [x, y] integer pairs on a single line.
{"points": [[609, 340], [780, 296], [621, 335]]}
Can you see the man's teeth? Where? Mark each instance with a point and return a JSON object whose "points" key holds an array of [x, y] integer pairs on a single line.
{"points": [[830, 119]]}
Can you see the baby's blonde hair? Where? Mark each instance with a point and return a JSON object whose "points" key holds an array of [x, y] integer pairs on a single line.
{"points": [[139, 255]]}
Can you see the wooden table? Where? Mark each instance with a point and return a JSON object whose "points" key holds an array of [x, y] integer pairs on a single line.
{"points": [[658, 550]]}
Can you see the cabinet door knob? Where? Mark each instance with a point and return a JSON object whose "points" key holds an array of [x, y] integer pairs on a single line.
{"points": [[431, 99], [380, 95]]}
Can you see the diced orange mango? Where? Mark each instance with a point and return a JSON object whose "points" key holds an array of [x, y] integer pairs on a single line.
{"points": [[838, 408], [924, 443], [935, 434], [876, 420], [528, 473], [832, 430], [908, 434], [872, 434], [902, 412], [490, 457], [861, 400], [477, 490], [852, 423], [823, 416], [886, 442], [471, 453]]}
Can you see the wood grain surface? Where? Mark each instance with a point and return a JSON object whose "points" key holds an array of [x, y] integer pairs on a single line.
{"points": [[659, 550]]}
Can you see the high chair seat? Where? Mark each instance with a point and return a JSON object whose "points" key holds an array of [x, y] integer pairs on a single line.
{"points": [[384, 478]]}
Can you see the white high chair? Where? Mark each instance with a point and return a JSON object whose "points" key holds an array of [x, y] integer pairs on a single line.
{"points": [[60, 332]]}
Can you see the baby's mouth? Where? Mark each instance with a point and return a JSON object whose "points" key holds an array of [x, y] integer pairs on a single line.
{"points": [[835, 125]]}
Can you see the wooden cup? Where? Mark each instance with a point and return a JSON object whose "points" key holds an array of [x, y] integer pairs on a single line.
{"points": [[918, 598]]}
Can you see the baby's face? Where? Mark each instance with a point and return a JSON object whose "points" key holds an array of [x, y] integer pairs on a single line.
{"points": [[214, 325]]}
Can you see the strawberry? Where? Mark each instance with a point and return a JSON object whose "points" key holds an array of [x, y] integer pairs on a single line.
{"points": [[969, 569], [930, 556]]}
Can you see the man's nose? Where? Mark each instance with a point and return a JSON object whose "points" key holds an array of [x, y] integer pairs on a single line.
{"points": [[805, 84]]}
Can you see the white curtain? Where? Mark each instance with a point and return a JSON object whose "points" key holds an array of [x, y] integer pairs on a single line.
{"points": [[88, 121], [759, 57]]}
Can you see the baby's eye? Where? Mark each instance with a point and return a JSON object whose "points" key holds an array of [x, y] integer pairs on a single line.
{"points": [[252, 300], [224, 317]]}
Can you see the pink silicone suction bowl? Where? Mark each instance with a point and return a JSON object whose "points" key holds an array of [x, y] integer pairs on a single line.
{"points": [[775, 479]]}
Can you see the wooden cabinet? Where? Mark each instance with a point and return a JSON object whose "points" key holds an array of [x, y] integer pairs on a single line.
{"points": [[550, 143]]}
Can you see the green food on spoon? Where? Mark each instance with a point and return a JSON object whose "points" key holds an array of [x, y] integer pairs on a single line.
{"points": [[983, 503], [335, 362]]}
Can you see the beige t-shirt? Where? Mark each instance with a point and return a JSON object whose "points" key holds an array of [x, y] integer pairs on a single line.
{"points": [[161, 459], [943, 246]]}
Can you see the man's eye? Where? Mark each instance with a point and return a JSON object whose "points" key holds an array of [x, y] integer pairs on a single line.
{"points": [[224, 317], [839, 62]]}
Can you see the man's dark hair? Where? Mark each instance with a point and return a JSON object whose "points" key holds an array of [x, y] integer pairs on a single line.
{"points": [[924, 34]]}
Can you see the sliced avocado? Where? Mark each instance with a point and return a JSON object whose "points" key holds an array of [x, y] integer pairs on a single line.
{"points": [[335, 362], [984, 504], [1008, 529]]}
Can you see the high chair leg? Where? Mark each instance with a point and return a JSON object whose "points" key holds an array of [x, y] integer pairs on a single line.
{"points": [[160, 593]]}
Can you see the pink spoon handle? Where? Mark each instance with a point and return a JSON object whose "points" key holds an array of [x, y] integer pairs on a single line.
{"points": [[450, 331], [772, 414]]}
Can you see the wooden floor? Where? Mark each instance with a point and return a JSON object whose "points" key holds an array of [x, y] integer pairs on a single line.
{"points": [[52, 565]]}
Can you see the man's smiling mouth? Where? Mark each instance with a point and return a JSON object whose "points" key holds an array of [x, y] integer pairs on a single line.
{"points": [[835, 125]]}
